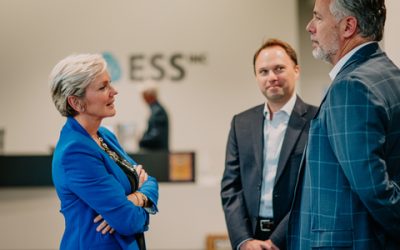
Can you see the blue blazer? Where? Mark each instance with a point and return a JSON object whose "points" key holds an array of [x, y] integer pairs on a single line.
{"points": [[349, 197], [88, 182]]}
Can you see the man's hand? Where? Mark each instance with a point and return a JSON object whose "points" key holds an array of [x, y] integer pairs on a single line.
{"points": [[271, 245], [258, 245]]}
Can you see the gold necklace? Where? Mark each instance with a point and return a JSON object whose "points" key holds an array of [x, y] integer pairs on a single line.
{"points": [[118, 159]]}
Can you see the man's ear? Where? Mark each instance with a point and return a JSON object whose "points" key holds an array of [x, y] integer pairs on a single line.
{"points": [[297, 71], [75, 103], [349, 26]]}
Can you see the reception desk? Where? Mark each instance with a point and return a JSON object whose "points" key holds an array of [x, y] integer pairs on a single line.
{"points": [[35, 170]]}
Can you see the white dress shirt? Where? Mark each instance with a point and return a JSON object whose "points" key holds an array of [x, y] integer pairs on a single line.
{"points": [[274, 132]]}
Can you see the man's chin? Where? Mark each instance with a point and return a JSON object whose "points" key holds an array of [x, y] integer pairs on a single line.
{"points": [[317, 54], [320, 55], [275, 97]]}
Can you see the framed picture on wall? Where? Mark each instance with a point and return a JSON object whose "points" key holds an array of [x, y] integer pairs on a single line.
{"points": [[218, 242], [181, 167]]}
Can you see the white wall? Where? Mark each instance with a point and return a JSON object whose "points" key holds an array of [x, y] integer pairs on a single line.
{"points": [[36, 34], [392, 36], [30, 218]]}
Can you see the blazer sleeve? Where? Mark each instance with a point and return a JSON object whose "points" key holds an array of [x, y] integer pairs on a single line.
{"points": [[236, 216], [150, 187], [357, 123], [278, 236], [89, 180]]}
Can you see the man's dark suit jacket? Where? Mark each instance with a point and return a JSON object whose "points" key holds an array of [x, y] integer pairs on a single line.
{"points": [[242, 179], [156, 136]]}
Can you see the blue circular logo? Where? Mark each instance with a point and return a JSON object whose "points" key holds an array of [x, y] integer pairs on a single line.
{"points": [[112, 66]]}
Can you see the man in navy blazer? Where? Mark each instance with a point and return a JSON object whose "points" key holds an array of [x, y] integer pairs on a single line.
{"points": [[349, 197], [156, 136], [263, 153]]}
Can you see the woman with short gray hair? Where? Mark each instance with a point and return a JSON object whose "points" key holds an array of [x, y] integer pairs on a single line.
{"points": [[106, 198]]}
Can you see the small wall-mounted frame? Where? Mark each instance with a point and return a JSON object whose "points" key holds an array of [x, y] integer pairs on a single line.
{"points": [[181, 167], [218, 242]]}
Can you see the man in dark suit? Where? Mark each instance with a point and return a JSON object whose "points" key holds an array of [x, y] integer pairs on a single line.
{"points": [[156, 136], [263, 153], [349, 197]]}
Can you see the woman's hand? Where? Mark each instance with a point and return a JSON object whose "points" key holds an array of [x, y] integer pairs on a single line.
{"points": [[134, 199], [138, 198], [142, 174], [103, 227]]}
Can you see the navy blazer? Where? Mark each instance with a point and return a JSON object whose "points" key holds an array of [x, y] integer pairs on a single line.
{"points": [[349, 197], [88, 183], [156, 136], [242, 179]]}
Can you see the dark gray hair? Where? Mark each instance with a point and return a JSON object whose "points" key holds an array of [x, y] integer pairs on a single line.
{"points": [[71, 76], [370, 14]]}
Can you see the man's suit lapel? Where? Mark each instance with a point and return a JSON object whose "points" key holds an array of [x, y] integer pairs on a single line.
{"points": [[359, 56], [293, 131], [257, 128]]}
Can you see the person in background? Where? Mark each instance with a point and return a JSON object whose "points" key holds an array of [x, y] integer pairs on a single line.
{"points": [[263, 153], [349, 196], [156, 136], [106, 198]]}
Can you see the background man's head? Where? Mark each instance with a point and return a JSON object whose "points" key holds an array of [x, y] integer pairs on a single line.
{"points": [[276, 70]]}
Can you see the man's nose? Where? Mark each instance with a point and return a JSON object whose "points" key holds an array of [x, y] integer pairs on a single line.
{"points": [[309, 26], [272, 76]]}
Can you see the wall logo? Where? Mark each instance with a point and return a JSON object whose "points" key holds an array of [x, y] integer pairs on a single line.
{"points": [[112, 66], [159, 66], [156, 67]]}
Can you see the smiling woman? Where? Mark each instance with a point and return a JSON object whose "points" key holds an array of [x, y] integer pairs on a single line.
{"points": [[88, 160]]}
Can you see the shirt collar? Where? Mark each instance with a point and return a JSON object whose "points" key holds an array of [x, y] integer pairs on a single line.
{"points": [[287, 108], [338, 66]]}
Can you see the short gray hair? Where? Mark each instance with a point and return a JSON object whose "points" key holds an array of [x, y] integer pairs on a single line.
{"points": [[71, 76], [370, 15]]}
